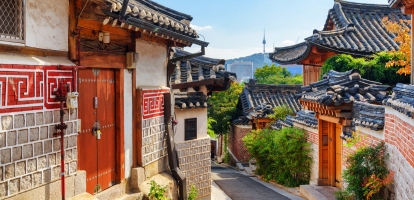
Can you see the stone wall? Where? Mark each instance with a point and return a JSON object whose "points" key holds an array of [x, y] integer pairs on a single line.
{"points": [[194, 161], [236, 144], [30, 153]]}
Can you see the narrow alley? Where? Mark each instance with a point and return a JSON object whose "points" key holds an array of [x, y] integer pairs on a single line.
{"points": [[240, 186]]}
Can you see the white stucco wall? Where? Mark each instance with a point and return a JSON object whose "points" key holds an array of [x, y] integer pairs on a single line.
{"points": [[200, 114], [151, 65], [47, 24], [128, 122]]}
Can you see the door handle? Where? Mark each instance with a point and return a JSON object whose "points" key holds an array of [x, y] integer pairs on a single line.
{"points": [[96, 129], [95, 102]]}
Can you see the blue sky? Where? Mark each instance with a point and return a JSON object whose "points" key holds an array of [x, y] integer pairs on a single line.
{"points": [[234, 28]]}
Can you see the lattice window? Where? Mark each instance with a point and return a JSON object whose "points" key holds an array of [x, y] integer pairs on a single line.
{"points": [[12, 20], [191, 129]]}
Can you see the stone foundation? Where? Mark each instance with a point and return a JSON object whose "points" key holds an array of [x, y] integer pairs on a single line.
{"points": [[195, 162], [30, 153]]}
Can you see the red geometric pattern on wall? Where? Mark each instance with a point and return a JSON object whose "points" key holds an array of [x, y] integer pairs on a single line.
{"points": [[153, 103], [27, 87]]}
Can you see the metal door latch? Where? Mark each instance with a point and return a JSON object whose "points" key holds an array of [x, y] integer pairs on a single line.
{"points": [[96, 129]]}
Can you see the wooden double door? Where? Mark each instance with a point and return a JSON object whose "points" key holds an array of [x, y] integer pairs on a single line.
{"points": [[330, 154], [97, 138]]}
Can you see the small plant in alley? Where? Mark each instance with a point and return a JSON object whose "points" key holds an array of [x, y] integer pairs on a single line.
{"points": [[157, 192], [281, 155], [366, 173], [193, 192]]}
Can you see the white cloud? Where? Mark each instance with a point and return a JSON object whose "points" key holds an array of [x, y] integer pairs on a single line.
{"points": [[288, 42], [200, 28]]}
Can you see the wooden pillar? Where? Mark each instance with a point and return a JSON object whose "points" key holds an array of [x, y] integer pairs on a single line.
{"points": [[412, 48]]}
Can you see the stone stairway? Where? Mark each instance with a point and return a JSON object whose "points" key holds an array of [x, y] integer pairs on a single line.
{"points": [[313, 192]]}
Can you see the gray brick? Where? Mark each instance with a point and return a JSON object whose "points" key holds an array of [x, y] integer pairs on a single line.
{"points": [[73, 141], [28, 151], [39, 118], [73, 167], [47, 175], [52, 159], [56, 116], [17, 153], [9, 171], [58, 158], [20, 168], [73, 114], [3, 189], [11, 138], [44, 130], [52, 131], [14, 186], [41, 162], [5, 156], [1, 173], [26, 182], [66, 116], [68, 155], [30, 119], [56, 172], [75, 153], [56, 145], [19, 121], [69, 130], [34, 134], [7, 122], [37, 179], [2, 140], [48, 116], [23, 136], [38, 149], [47, 146], [31, 165]]}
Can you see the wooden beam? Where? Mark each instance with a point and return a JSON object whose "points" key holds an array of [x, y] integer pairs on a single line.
{"points": [[328, 118], [135, 142], [31, 51], [100, 60], [98, 26], [71, 31], [138, 125], [119, 121]]}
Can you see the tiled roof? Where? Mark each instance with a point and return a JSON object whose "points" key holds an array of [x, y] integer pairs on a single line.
{"points": [[154, 18], [358, 31], [402, 99], [291, 54], [258, 100], [279, 124], [188, 100], [368, 115], [198, 68], [242, 120], [344, 87], [303, 117]]}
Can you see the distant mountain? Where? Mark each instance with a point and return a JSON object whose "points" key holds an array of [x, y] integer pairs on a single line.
{"points": [[258, 61]]}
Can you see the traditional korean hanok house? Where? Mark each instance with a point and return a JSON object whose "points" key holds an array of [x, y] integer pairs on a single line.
{"points": [[194, 79], [256, 102], [343, 103], [33, 66], [125, 49], [350, 28]]}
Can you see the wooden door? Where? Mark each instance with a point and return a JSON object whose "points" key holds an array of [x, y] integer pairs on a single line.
{"points": [[324, 154], [97, 106], [338, 156]]}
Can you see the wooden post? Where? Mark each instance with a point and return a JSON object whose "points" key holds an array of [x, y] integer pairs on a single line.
{"points": [[120, 153], [72, 27]]}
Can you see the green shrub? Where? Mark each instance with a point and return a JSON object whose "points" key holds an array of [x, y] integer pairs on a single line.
{"points": [[193, 192], [366, 173], [280, 112], [157, 192], [281, 155]]}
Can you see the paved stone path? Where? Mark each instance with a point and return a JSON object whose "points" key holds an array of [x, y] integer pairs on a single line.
{"points": [[239, 187]]}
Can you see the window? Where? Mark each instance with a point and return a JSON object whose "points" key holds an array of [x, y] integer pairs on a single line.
{"points": [[190, 129], [12, 20]]}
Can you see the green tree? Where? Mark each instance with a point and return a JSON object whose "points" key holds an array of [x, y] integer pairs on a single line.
{"points": [[272, 74], [223, 108]]}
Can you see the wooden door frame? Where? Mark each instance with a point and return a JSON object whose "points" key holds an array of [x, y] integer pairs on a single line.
{"points": [[119, 125], [332, 122]]}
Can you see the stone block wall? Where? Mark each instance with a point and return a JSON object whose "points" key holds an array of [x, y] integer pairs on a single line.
{"points": [[236, 144], [30, 153], [195, 162]]}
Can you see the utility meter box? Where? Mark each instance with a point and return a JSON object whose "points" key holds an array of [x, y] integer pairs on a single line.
{"points": [[72, 99]]}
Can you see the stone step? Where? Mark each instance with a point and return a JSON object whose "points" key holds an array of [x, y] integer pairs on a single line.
{"points": [[83, 196], [318, 192], [134, 196], [239, 167]]}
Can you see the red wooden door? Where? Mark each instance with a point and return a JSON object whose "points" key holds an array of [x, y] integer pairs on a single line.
{"points": [[97, 106]]}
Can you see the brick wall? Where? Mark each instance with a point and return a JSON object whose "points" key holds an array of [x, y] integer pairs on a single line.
{"points": [[195, 162], [29, 152], [236, 144]]}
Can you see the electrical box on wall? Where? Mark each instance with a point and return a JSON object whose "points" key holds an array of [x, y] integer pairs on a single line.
{"points": [[131, 60], [72, 99]]}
